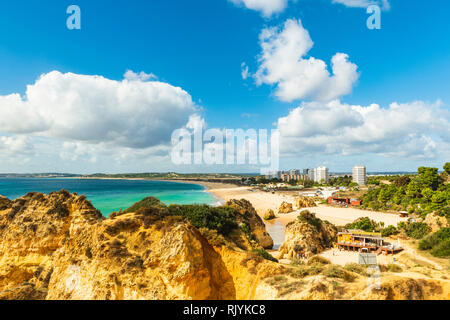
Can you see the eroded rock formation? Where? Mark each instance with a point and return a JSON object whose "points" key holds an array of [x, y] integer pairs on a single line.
{"points": [[307, 235], [269, 215], [285, 208], [59, 246], [304, 202], [249, 215]]}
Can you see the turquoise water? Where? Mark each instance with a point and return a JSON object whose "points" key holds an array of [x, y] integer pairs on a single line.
{"points": [[111, 195]]}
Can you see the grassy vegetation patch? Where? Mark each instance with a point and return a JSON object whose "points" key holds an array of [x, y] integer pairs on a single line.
{"points": [[318, 260], [221, 219], [334, 271], [356, 268], [364, 224], [145, 203], [417, 230], [437, 243], [394, 268], [263, 253]]}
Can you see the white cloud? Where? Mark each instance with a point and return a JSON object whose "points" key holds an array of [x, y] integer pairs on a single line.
{"points": [[415, 129], [93, 109], [266, 7], [284, 63], [244, 71], [142, 76], [364, 3], [19, 145]]}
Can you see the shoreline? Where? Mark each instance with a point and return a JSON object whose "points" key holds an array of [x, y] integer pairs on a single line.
{"points": [[263, 201]]}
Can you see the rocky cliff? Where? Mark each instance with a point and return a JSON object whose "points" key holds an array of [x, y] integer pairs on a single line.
{"points": [[307, 236], [59, 246], [248, 215]]}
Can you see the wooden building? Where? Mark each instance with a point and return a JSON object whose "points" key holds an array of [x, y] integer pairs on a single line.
{"points": [[368, 242], [344, 201]]}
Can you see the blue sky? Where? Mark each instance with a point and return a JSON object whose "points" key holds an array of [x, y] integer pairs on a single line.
{"points": [[199, 46]]}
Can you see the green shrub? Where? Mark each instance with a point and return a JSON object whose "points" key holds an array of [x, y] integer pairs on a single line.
{"points": [[444, 212], [221, 219], [417, 230], [442, 250], [394, 268], [213, 237], [310, 219], [300, 272], [145, 203], [356, 268], [389, 231], [438, 243], [315, 269], [263, 253], [364, 224], [318, 260], [402, 225], [334, 271]]}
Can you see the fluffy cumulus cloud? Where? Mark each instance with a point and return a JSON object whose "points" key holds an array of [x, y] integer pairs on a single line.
{"points": [[266, 7], [364, 3], [415, 129], [284, 64], [11, 145], [130, 113]]}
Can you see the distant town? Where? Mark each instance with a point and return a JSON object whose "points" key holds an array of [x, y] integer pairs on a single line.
{"points": [[318, 175]]}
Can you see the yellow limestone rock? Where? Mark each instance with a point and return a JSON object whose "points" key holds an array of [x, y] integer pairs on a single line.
{"points": [[285, 208], [269, 215], [307, 235], [304, 202]]}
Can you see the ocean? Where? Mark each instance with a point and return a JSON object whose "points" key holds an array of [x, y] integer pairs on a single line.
{"points": [[111, 195]]}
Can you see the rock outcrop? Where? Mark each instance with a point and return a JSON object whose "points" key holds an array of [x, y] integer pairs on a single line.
{"points": [[308, 236], [285, 208], [304, 202], [249, 216], [436, 222], [59, 246], [269, 215]]}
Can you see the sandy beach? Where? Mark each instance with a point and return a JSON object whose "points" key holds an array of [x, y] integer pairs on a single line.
{"points": [[263, 201]]}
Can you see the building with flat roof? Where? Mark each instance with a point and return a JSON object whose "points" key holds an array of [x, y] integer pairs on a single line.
{"points": [[360, 175], [321, 174], [361, 241]]}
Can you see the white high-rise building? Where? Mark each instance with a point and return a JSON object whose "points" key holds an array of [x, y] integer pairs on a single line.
{"points": [[311, 174], [321, 175], [360, 175]]}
